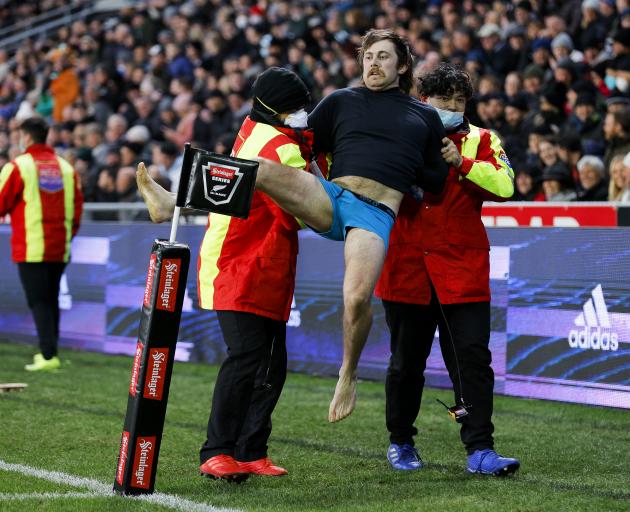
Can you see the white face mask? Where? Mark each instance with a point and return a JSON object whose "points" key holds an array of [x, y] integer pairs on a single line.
{"points": [[298, 119], [622, 84], [450, 119]]}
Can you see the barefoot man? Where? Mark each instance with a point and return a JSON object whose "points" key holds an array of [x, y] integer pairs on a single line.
{"points": [[382, 143]]}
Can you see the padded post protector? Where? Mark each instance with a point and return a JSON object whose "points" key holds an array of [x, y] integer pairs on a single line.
{"points": [[152, 368]]}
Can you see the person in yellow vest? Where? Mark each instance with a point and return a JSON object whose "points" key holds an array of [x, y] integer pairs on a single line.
{"points": [[42, 194], [246, 273], [437, 273]]}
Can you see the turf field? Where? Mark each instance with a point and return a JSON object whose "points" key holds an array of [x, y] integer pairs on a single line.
{"points": [[59, 441]]}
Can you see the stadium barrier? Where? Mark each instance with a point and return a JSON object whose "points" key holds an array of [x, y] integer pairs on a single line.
{"points": [[560, 309]]}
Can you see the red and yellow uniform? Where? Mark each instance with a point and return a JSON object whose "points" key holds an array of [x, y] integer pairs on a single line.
{"points": [[249, 264], [442, 241], [42, 193]]}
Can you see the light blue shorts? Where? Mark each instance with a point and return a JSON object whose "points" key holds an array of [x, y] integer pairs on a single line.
{"points": [[352, 210]]}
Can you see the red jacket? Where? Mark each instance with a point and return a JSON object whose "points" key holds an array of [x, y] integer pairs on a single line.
{"points": [[42, 193], [442, 241], [249, 264]]}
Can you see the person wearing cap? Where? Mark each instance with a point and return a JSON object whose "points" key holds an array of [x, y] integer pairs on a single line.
{"points": [[592, 179], [515, 131], [592, 24], [617, 135], [246, 273], [617, 104], [516, 37], [383, 143], [437, 274], [541, 48], [557, 183], [497, 55], [585, 120], [552, 101], [617, 77], [569, 151]]}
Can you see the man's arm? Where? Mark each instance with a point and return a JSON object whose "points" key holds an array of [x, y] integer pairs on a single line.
{"points": [[11, 187], [491, 170], [321, 121], [435, 168]]}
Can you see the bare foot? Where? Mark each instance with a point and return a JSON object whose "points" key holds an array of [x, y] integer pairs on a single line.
{"points": [[159, 201], [345, 397]]}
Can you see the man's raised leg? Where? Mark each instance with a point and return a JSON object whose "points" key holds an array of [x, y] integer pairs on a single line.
{"points": [[159, 201], [364, 254], [297, 192]]}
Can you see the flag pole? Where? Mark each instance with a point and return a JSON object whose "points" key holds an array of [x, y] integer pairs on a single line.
{"points": [[184, 179]]}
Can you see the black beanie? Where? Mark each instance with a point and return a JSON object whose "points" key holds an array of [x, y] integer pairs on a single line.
{"points": [[278, 90]]}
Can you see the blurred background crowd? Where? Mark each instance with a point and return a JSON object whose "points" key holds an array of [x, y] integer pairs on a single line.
{"points": [[552, 78]]}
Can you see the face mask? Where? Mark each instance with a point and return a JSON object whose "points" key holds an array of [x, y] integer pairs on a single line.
{"points": [[21, 145], [450, 119], [298, 119], [610, 82], [622, 84]]}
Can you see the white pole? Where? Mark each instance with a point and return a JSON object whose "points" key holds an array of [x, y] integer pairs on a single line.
{"points": [[174, 224]]}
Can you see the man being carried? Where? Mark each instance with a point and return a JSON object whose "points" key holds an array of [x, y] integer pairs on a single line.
{"points": [[383, 142]]}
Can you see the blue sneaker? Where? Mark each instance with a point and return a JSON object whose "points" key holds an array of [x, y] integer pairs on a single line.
{"points": [[489, 462], [404, 456]]}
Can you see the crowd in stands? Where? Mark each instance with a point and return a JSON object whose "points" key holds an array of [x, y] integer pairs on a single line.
{"points": [[552, 78]]}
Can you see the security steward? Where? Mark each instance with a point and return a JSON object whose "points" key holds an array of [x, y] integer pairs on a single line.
{"points": [[246, 273], [42, 193], [437, 274]]}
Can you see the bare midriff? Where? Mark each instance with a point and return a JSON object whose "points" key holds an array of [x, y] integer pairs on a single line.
{"points": [[372, 189]]}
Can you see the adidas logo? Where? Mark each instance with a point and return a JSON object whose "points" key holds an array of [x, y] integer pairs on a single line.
{"points": [[595, 332]]}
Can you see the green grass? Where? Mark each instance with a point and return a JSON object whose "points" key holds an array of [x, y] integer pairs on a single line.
{"points": [[574, 458]]}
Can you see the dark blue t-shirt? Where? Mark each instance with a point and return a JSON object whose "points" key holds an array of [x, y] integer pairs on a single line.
{"points": [[387, 136]]}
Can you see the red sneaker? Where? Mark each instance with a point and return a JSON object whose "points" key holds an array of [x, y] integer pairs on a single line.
{"points": [[223, 466], [262, 467]]}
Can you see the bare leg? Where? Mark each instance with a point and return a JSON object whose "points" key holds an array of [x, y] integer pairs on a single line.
{"points": [[364, 255], [296, 192], [159, 201]]}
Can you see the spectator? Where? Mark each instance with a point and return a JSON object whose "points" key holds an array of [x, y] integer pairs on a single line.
{"points": [[592, 179], [617, 183], [625, 196], [164, 68], [569, 149], [168, 161], [585, 121], [557, 183], [527, 186], [617, 135], [65, 86]]}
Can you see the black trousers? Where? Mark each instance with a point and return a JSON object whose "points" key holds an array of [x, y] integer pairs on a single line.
{"points": [[248, 386], [40, 282], [412, 328]]}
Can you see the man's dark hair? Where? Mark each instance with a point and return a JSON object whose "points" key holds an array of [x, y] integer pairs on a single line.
{"points": [[403, 52], [445, 80], [37, 128]]}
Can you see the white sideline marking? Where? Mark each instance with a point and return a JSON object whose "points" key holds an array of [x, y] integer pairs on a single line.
{"points": [[99, 489], [47, 495]]}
